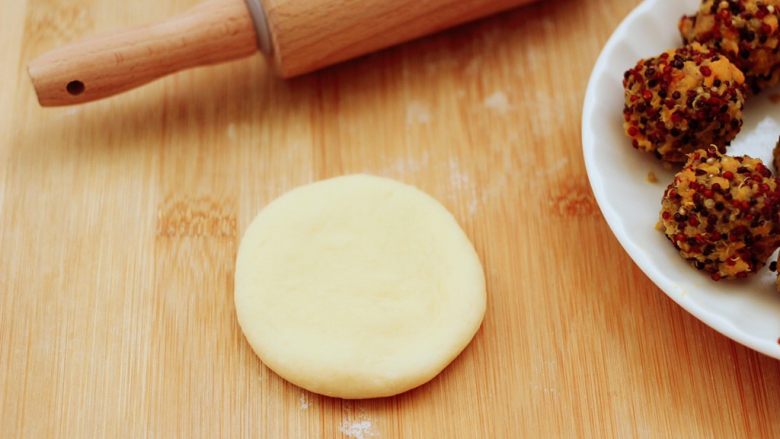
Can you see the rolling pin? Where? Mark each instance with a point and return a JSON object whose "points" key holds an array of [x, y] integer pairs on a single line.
{"points": [[299, 36]]}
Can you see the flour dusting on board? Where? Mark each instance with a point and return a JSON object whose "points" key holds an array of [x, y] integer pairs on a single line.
{"points": [[459, 179], [474, 67], [304, 402], [463, 185], [417, 113], [358, 429], [70, 112], [498, 102], [404, 166], [231, 131], [554, 169]]}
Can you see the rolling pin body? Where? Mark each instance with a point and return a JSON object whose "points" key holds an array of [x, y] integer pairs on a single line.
{"points": [[298, 35]]}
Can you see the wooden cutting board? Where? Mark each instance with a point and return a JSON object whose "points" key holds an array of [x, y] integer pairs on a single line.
{"points": [[119, 223]]}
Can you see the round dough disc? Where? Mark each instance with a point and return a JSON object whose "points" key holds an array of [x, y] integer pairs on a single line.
{"points": [[358, 287]]}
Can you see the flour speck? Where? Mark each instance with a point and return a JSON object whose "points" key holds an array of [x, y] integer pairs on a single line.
{"points": [[463, 186], [474, 66], [498, 102], [473, 206], [417, 113], [304, 402], [358, 429], [553, 169], [231, 131]]}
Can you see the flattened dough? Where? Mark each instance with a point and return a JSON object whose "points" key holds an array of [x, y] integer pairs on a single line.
{"points": [[358, 287]]}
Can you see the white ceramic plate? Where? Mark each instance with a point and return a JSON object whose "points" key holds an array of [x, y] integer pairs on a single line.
{"points": [[746, 311]]}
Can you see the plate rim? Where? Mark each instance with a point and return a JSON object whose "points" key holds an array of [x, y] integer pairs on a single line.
{"points": [[610, 214]]}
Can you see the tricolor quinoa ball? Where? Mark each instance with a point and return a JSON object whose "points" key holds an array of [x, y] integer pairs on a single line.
{"points": [[683, 100], [773, 268], [721, 213], [745, 31], [776, 157]]}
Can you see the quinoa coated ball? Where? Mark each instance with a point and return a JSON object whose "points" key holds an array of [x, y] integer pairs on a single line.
{"points": [[682, 100], [773, 269], [721, 213], [777, 281], [745, 31], [776, 157]]}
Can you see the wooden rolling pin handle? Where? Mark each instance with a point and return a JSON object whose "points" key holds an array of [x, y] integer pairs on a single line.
{"points": [[212, 32]]}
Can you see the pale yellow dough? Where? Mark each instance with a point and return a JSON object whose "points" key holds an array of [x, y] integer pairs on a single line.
{"points": [[358, 287]]}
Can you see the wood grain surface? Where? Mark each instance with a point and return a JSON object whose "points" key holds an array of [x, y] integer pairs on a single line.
{"points": [[119, 222]]}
